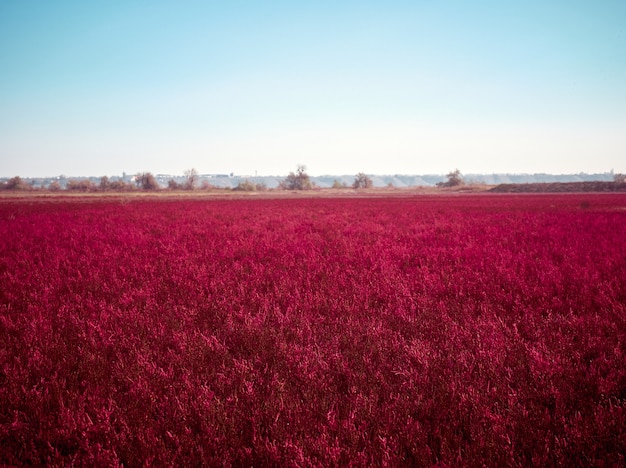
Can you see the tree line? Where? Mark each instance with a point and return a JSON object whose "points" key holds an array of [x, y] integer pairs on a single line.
{"points": [[146, 181]]}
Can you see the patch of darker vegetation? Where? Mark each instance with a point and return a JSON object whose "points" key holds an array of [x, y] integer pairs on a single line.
{"points": [[561, 187]]}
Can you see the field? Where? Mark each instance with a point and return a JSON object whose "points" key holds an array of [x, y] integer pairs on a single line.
{"points": [[409, 330]]}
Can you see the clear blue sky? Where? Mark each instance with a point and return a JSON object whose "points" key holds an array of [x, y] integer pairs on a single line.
{"points": [[415, 87]]}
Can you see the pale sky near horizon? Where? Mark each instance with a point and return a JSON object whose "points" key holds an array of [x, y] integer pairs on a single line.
{"points": [[395, 87]]}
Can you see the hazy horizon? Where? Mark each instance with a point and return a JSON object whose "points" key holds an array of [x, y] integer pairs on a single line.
{"points": [[396, 88]]}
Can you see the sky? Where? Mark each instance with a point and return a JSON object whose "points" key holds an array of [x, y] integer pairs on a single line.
{"points": [[258, 88]]}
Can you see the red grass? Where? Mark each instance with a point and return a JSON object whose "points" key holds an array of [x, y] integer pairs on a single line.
{"points": [[458, 330]]}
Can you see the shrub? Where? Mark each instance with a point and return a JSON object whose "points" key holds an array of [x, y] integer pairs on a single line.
{"points": [[205, 185], [191, 176], [299, 180], [105, 184], [54, 186], [173, 185], [146, 181], [245, 186], [454, 179], [121, 186], [16, 183], [80, 185], [362, 181]]}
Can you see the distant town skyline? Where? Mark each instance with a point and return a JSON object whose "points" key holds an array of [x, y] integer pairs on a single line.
{"points": [[102, 88]]}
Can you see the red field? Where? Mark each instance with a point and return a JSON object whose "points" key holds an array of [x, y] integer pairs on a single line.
{"points": [[457, 330]]}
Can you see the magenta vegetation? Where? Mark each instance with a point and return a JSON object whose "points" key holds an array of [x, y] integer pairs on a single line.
{"points": [[457, 330]]}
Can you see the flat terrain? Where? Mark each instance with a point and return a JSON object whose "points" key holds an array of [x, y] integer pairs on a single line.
{"points": [[46, 195], [290, 329]]}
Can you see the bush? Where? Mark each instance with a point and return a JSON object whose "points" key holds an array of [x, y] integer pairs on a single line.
{"points": [[146, 181], [454, 179], [121, 186], [173, 185], [191, 176], [84, 185], [298, 181], [362, 181], [16, 183], [54, 186], [105, 184], [205, 185], [245, 186]]}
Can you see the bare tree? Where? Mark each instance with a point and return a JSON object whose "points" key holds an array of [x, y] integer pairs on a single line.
{"points": [[191, 176], [173, 185], [54, 186], [105, 183], [146, 181], [16, 183], [362, 181], [454, 179], [298, 181]]}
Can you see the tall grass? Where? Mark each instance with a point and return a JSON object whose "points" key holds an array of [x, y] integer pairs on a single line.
{"points": [[460, 330]]}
